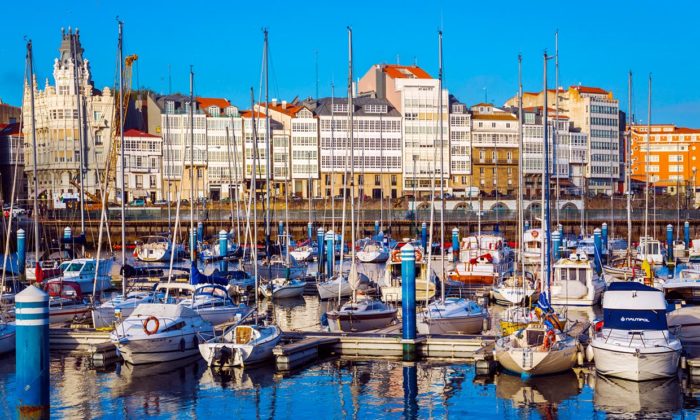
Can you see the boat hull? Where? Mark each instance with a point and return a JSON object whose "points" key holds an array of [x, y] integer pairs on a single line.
{"points": [[509, 296], [534, 362], [373, 257], [7, 339], [160, 349], [60, 315], [329, 290], [451, 325], [359, 322], [229, 354], [626, 363]]}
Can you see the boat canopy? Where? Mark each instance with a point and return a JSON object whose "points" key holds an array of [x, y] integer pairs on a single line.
{"points": [[634, 296], [634, 319]]}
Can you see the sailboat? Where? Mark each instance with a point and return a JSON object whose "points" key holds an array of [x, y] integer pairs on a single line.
{"points": [[451, 315], [365, 314], [156, 248], [542, 347], [245, 344]]}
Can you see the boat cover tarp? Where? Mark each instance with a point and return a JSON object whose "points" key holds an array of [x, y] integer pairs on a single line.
{"points": [[197, 277], [634, 319]]}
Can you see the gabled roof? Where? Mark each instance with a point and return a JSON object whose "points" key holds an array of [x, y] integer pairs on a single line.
{"points": [[482, 104], [288, 109], [218, 102], [249, 114], [588, 89], [396, 71], [137, 133]]}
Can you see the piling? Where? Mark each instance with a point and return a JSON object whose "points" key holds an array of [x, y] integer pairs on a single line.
{"points": [[598, 245], [669, 242], [193, 244], [67, 237], [556, 244], [310, 232], [686, 234], [320, 238], [330, 249], [526, 225], [424, 236], [376, 228], [32, 349], [408, 301], [200, 231], [455, 244], [22, 251], [604, 235], [223, 250], [280, 230]]}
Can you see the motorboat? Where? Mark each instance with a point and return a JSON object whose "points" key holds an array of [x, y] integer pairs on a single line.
{"points": [[160, 332], [339, 285], [212, 252], [650, 249], [391, 281], [452, 316], [575, 282], [213, 304], [49, 265], [304, 251], [513, 288], [283, 288], [66, 301], [373, 252], [363, 315], [634, 341], [82, 272], [536, 349], [684, 322], [685, 285], [156, 248], [532, 246], [241, 345], [477, 271], [120, 306]]}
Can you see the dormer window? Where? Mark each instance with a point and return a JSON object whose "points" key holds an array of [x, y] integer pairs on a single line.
{"points": [[231, 111], [169, 107], [375, 108], [213, 111], [340, 108]]}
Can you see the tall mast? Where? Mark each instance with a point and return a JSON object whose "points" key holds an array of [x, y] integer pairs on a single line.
{"points": [[628, 167], [193, 245], [121, 149], [342, 234], [352, 163], [254, 245], [545, 186], [520, 165], [442, 169], [35, 211], [82, 168], [646, 170], [555, 128], [268, 156]]}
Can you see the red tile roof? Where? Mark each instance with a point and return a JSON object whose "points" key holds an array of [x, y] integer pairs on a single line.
{"points": [[136, 133], [290, 110], [249, 114], [588, 89], [10, 129], [396, 71], [205, 103]]}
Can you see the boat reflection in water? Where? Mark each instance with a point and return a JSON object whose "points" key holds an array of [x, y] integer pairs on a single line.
{"points": [[543, 393], [238, 378], [624, 399]]}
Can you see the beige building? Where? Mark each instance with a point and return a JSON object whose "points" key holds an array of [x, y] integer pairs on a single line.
{"points": [[495, 149], [58, 132]]}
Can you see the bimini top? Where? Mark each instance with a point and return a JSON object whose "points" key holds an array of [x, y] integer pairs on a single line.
{"points": [[634, 296]]}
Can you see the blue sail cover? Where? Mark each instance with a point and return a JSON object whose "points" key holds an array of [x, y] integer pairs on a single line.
{"points": [[196, 277], [634, 319]]}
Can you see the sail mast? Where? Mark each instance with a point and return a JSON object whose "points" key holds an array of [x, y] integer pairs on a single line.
{"points": [[628, 167], [79, 102], [646, 172], [442, 170], [193, 244], [268, 157], [35, 211], [121, 149], [520, 167], [555, 128], [352, 276], [545, 186]]}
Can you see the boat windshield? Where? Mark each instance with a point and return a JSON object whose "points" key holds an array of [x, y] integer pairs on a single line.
{"points": [[74, 267], [573, 274], [652, 248]]}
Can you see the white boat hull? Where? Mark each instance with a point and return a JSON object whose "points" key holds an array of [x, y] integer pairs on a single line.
{"points": [[58, 315], [511, 295], [229, 354], [627, 363], [218, 316], [451, 325], [360, 323], [284, 292], [534, 362], [329, 289], [161, 349], [373, 257]]}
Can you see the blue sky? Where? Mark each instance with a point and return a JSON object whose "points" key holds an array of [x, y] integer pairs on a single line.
{"points": [[599, 42]]}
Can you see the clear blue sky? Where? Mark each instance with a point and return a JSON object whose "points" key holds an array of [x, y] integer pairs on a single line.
{"points": [[599, 42]]}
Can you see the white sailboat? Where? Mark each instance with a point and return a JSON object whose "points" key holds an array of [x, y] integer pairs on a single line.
{"points": [[635, 342], [373, 252], [156, 248]]}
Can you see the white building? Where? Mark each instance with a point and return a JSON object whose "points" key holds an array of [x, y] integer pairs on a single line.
{"points": [[460, 147], [57, 129], [377, 146], [414, 93], [143, 166]]}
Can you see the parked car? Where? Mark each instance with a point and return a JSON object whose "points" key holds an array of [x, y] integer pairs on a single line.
{"points": [[160, 203], [139, 202]]}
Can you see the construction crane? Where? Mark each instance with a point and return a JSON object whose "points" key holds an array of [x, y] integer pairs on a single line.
{"points": [[116, 123]]}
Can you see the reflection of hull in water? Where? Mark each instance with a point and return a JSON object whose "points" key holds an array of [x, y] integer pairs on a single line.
{"points": [[552, 389], [618, 397], [238, 378], [181, 377]]}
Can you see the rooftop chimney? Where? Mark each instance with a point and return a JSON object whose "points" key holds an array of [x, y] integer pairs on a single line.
{"points": [[284, 104], [274, 101]]}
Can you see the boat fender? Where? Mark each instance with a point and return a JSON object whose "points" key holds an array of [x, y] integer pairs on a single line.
{"points": [[419, 256], [589, 353], [146, 323], [396, 255], [182, 344], [485, 324], [324, 320], [579, 358]]}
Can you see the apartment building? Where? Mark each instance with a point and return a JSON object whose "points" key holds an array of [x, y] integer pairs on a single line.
{"points": [[495, 149], [143, 166]]}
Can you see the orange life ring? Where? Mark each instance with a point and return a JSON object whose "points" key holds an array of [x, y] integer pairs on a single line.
{"points": [[396, 255], [549, 339], [535, 233], [147, 321], [419, 255]]}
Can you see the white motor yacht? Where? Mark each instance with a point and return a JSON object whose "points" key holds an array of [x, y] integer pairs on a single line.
{"points": [[213, 304], [513, 288], [634, 342], [282, 288], [532, 246], [106, 314], [685, 285], [82, 271], [373, 252], [241, 345], [650, 249], [575, 282], [156, 248]]}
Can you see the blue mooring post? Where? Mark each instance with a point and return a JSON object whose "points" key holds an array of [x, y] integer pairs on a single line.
{"points": [[280, 230], [330, 249], [223, 250], [408, 301], [686, 234], [310, 232], [604, 234], [560, 228], [193, 243], [598, 245], [320, 238], [200, 231], [669, 242], [424, 236], [21, 250], [455, 244], [67, 236], [376, 228], [32, 352], [556, 244], [526, 225]]}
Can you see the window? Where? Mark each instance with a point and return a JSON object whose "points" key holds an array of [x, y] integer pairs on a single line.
{"points": [[377, 179], [98, 138], [675, 158], [63, 90], [153, 181], [169, 107], [393, 180], [339, 108], [139, 181]]}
